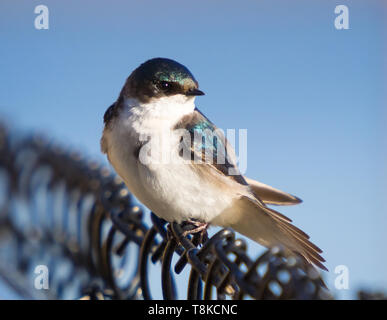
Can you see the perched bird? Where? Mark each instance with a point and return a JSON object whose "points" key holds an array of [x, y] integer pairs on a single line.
{"points": [[149, 140]]}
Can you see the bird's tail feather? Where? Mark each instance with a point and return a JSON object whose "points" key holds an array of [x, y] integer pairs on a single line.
{"points": [[270, 228]]}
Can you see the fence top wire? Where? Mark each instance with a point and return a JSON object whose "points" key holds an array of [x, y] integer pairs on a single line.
{"points": [[74, 216]]}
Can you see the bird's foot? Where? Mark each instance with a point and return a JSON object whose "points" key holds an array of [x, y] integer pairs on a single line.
{"points": [[200, 227]]}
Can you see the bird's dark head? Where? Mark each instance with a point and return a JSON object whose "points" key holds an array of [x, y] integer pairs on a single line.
{"points": [[160, 77]]}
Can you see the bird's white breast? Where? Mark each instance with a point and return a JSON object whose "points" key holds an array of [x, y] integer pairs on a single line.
{"points": [[168, 185]]}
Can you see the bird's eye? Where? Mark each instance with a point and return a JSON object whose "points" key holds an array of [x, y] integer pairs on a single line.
{"points": [[165, 85]]}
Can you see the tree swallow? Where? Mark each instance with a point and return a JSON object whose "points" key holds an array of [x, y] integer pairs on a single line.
{"points": [[150, 118]]}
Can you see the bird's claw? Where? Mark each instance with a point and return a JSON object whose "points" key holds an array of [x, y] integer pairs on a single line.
{"points": [[200, 227]]}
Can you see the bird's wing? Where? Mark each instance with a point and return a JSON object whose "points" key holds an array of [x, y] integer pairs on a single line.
{"points": [[256, 219], [222, 157], [207, 145], [270, 195]]}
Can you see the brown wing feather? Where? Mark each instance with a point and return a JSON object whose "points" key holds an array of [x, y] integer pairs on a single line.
{"points": [[270, 195]]}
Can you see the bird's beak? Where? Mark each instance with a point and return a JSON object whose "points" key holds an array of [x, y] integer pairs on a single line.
{"points": [[194, 92]]}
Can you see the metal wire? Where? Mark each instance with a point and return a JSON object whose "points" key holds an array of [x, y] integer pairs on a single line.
{"points": [[78, 219]]}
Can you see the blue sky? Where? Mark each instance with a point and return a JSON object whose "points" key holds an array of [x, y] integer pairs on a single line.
{"points": [[312, 98]]}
